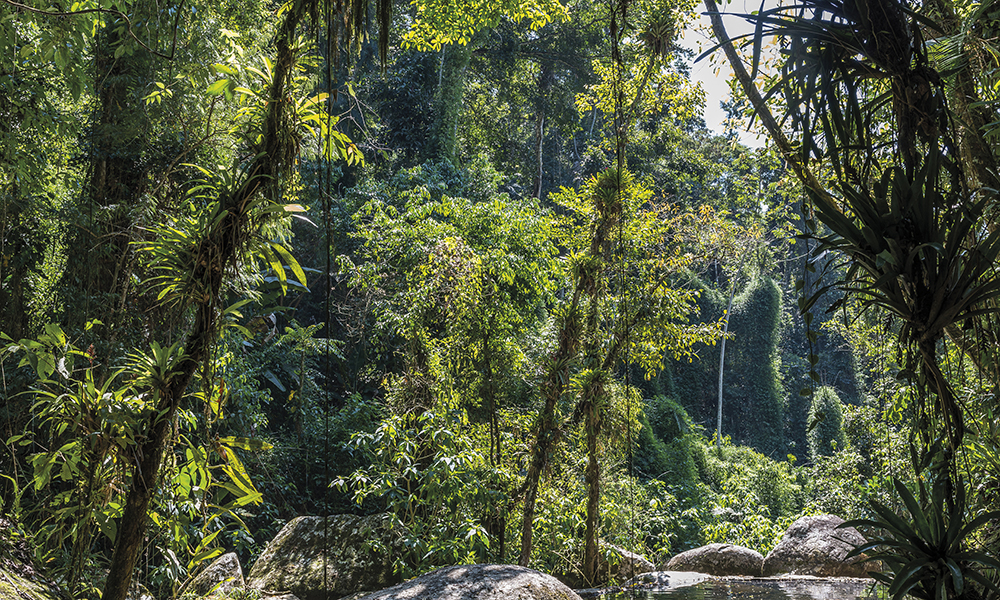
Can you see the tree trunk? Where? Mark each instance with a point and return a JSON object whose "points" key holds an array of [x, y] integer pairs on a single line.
{"points": [[592, 400], [448, 104], [552, 390], [497, 522], [132, 525], [593, 479], [722, 364], [545, 80], [101, 253], [539, 138], [558, 376], [221, 245], [971, 122], [544, 441], [981, 169]]}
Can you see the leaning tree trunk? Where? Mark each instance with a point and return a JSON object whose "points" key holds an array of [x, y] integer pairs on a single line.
{"points": [[593, 395], [981, 169], [552, 390], [587, 281], [593, 398], [784, 146], [594, 402], [922, 122], [221, 244], [132, 525]]}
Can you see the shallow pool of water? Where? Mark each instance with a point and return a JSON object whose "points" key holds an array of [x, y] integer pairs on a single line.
{"points": [[759, 589]]}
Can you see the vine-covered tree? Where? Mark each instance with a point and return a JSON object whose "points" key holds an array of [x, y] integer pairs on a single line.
{"points": [[826, 422]]}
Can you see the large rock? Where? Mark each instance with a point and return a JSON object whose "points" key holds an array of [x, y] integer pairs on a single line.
{"points": [[14, 586], [814, 546], [221, 577], [720, 560], [479, 582], [360, 552], [19, 579]]}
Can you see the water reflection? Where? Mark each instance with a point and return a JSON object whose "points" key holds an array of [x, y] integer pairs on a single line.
{"points": [[760, 589]]}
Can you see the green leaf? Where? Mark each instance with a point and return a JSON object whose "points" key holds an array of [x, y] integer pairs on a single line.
{"points": [[956, 575], [292, 263], [109, 527], [275, 264], [207, 540], [203, 556], [243, 330], [54, 334], [988, 584], [978, 522], [915, 511], [75, 88], [249, 444], [219, 87], [45, 365], [904, 580], [233, 309], [270, 376], [221, 68]]}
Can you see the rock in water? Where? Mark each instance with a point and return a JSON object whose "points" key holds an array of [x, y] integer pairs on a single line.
{"points": [[360, 552], [479, 582], [720, 560], [814, 546], [221, 577], [665, 580]]}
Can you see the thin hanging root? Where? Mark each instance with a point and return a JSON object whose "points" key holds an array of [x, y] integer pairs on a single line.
{"points": [[953, 421]]}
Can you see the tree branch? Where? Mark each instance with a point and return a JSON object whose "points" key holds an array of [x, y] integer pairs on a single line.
{"points": [[118, 13], [813, 186]]}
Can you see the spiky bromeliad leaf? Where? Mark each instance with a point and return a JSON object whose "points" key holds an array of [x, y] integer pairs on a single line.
{"points": [[926, 551]]}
